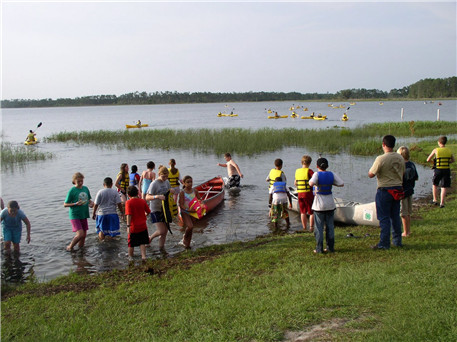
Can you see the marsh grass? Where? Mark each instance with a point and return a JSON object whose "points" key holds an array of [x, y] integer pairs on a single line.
{"points": [[258, 291], [361, 140], [12, 154]]}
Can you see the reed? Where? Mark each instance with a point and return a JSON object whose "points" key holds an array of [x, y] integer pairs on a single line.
{"points": [[20, 154], [251, 142]]}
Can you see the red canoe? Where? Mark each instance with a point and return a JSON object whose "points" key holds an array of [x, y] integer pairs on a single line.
{"points": [[211, 192]]}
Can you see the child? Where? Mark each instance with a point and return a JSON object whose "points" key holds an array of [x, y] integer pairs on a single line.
{"points": [[174, 177], [324, 205], [156, 194], [233, 171], [175, 180], [147, 177], [305, 195], [106, 201], [275, 173], [409, 181], [278, 198], [186, 196], [442, 171], [78, 200], [122, 181], [136, 211], [134, 178], [11, 218]]}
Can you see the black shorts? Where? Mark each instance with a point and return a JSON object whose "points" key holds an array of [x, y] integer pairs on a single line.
{"points": [[442, 178], [157, 216], [137, 239], [234, 181]]}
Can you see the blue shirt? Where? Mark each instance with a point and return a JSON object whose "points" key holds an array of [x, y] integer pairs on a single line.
{"points": [[9, 222]]}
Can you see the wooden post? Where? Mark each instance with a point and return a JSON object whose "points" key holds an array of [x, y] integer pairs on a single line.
{"points": [[438, 115], [401, 115]]}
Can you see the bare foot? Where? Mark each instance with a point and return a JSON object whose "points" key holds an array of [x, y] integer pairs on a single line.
{"points": [[69, 249]]}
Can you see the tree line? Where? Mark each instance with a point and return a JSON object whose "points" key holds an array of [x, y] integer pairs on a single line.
{"points": [[426, 88]]}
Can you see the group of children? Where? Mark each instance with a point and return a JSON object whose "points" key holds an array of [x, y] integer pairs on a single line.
{"points": [[314, 190]]}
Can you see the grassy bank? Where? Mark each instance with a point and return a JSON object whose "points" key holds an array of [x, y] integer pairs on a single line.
{"points": [[361, 141], [262, 290], [12, 154]]}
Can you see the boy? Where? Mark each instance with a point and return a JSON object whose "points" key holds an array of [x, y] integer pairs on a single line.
{"points": [[324, 205], [136, 211], [278, 198], [442, 170], [233, 171], [275, 173], [305, 195], [409, 181], [11, 218], [106, 201]]}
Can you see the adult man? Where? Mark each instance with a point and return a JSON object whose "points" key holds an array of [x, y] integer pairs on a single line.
{"points": [[389, 169]]}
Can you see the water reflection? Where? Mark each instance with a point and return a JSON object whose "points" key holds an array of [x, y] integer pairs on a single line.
{"points": [[15, 271]]}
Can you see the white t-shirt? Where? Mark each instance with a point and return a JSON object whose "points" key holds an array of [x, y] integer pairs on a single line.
{"points": [[324, 202]]}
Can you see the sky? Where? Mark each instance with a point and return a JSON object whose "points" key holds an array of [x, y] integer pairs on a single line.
{"points": [[58, 49]]}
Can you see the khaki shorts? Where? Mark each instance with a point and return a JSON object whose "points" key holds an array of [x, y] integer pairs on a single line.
{"points": [[406, 206]]}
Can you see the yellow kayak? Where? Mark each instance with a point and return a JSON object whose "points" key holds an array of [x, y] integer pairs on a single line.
{"points": [[315, 117], [136, 126], [33, 142], [231, 115], [278, 117]]}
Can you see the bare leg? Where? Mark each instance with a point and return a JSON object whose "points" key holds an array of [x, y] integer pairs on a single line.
{"points": [[311, 223], [161, 232], [435, 193], [7, 247], [16, 248], [80, 234], [406, 225], [131, 250], [443, 195], [101, 236], [143, 252], [304, 220], [187, 238]]}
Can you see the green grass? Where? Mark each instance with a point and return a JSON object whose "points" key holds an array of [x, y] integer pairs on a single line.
{"points": [[12, 154], [363, 140], [258, 291]]}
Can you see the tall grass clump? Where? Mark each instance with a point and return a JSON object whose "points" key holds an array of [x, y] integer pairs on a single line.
{"points": [[12, 154], [250, 142]]}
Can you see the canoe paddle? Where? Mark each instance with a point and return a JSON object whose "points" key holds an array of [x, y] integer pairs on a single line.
{"points": [[38, 126]]}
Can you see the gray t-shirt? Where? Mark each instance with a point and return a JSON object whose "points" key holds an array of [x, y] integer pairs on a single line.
{"points": [[158, 187], [107, 200]]}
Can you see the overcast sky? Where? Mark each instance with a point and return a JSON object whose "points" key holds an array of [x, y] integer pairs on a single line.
{"points": [[59, 49]]}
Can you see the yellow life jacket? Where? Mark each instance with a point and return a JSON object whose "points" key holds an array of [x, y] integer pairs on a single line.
{"points": [[125, 181], [302, 178], [443, 157], [173, 178], [274, 173]]}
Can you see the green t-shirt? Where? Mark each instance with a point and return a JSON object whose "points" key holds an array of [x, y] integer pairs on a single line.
{"points": [[74, 195]]}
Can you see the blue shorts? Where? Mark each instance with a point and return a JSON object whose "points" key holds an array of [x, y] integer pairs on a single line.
{"points": [[157, 216], [13, 235], [108, 224]]}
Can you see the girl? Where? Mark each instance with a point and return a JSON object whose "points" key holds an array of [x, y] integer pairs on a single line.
{"points": [[174, 177], [122, 181], [156, 194], [78, 200], [146, 178], [185, 197], [134, 178]]}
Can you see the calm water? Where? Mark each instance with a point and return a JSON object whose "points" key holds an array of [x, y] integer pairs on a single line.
{"points": [[41, 187]]}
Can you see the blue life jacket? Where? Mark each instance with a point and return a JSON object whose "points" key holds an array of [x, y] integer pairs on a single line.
{"points": [[279, 187], [133, 180], [325, 182]]}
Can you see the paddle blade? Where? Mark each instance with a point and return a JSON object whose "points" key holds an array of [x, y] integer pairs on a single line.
{"points": [[39, 125]]}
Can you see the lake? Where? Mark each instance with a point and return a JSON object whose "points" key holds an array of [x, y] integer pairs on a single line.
{"points": [[41, 187]]}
